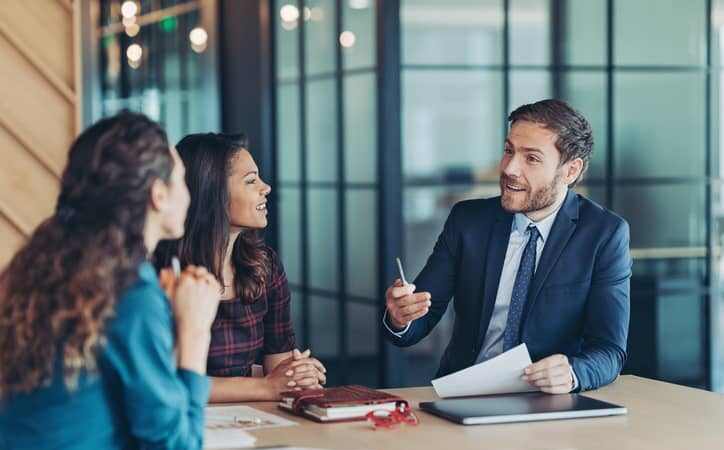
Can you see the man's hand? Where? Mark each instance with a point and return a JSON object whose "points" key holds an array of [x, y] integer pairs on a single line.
{"points": [[404, 305], [552, 375]]}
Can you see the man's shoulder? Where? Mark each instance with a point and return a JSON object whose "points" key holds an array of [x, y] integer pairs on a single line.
{"points": [[478, 208], [591, 212]]}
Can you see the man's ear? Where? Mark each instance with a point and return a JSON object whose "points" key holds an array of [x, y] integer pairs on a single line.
{"points": [[575, 166], [159, 195]]}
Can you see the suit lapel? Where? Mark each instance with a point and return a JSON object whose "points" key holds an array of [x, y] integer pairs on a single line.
{"points": [[497, 246], [561, 232]]}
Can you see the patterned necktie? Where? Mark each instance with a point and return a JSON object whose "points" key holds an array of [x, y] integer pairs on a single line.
{"points": [[511, 336]]}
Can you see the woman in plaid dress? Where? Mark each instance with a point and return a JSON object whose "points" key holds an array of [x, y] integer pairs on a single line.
{"points": [[253, 323]]}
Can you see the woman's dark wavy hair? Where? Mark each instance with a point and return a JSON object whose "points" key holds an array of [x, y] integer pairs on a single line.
{"points": [[60, 288], [208, 159]]}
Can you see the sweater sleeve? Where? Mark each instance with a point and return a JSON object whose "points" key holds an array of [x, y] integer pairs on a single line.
{"points": [[163, 405]]}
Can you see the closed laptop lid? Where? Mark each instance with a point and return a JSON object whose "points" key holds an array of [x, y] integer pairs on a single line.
{"points": [[520, 408]]}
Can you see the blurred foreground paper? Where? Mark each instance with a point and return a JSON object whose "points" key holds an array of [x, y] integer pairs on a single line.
{"points": [[226, 426]]}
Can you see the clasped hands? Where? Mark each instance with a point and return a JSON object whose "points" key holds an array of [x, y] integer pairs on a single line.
{"points": [[297, 372]]}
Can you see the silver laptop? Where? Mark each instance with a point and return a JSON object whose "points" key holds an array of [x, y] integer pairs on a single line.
{"points": [[520, 408]]}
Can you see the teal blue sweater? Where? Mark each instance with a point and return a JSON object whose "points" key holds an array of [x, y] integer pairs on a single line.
{"points": [[137, 399]]}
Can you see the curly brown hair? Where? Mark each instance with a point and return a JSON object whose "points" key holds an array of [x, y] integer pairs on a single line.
{"points": [[59, 290], [208, 159]]}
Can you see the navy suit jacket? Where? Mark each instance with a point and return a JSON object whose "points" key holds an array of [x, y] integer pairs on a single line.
{"points": [[578, 302]]}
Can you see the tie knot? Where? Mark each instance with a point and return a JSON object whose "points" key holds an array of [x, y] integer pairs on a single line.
{"points": [[534, 233]]}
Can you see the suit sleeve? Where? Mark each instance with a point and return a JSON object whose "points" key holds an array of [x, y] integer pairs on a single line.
{"points": [[606, 320], [438, 278], [164, 405]]}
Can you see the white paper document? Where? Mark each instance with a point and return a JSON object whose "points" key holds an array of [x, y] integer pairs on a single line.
{"points": [[227, 438], [499, 375], [284, 447], [227, 426]]}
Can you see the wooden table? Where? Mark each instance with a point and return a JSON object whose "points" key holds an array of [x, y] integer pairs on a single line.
{"points": [[661, 416]]}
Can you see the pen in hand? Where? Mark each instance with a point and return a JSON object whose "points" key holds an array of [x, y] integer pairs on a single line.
{"points": [[169, 277], [176, 267], [404, 304], [402, 272]]}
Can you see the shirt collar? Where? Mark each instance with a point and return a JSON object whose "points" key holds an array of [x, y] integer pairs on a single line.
{"points": [[146, 272], [521, 222]]}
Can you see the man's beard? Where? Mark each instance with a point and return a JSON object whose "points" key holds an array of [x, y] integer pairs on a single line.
{"points": [[537, 200]]}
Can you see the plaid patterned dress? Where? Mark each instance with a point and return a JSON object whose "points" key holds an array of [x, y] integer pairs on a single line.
{"points": [[243, 333]]}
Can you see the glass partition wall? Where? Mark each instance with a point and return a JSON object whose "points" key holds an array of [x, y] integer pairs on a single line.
{"points": [[463, 66], [153, 56]]}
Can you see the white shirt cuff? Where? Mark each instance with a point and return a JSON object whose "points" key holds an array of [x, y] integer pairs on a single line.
{"points": [[575, 380], [399, 334]]}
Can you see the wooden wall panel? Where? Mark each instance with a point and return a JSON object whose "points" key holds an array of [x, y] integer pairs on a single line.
{"points": [[33, 107], [34, 189], [45, 27], [11, 241], [39, 110]]}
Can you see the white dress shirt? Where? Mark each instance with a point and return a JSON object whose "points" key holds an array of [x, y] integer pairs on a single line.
{"points": [[493, 342]]}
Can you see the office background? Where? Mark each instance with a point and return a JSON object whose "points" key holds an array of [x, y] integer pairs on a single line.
{"points": [[371, 118]]}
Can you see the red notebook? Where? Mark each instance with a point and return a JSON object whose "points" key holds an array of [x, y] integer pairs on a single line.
{"points": [[337, 404]]}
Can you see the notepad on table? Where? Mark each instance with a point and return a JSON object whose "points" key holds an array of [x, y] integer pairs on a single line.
{"points": [[351, 402]]}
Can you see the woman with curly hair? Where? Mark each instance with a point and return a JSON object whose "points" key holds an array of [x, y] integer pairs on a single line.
{"points": [[86, 330], [253, 324]]}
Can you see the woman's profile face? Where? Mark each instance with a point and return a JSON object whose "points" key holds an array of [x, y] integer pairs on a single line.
{"points": [[247, 193]]}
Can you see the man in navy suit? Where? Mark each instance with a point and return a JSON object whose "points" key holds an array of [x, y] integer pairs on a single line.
{"points": [[540, 264]]}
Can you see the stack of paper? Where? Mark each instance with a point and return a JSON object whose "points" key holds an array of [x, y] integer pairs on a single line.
{"points": [[499, 375]]}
